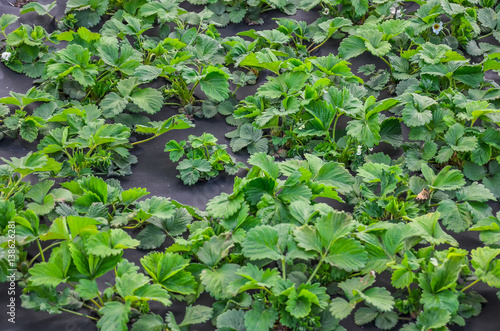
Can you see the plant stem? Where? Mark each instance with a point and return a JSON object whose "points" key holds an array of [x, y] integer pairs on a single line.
{"points": [[486, 35], [470, 285], [315, 271], [95, 303], [14, 187], [100, 300], [41, 250], [335, 124], [312, 50], [145, 140], [79, 314], [387, 62], [283, 267], [89, 307]]}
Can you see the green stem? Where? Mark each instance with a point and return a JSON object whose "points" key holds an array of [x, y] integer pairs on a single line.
{"points": [[283, 267], [470, 285], [387, 62], [321, 44], [95, 303], [135, 226], [89, 307], [486, 35], [335, 125], [145, 140], [79, 314], [41, 250], [315, 271], [14, 187], [100, 300]]}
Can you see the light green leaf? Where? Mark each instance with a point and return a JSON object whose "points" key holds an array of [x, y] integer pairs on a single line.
{"points": [[379, 298], [110, 243], [260, 317], [448, 180], [114, 316], [215, 85], [340, 308], [433, 318], [262, 243], [216, 281], [149, 99]]}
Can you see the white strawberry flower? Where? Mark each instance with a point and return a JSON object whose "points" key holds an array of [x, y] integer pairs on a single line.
{"points": [[6, 56], [359, 150], [437, 27]]}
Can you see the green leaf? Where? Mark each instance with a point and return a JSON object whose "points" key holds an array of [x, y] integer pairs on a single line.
{"points": [[347, 254], [110, 243], [475, 192], [114, 316], [260, 317], [456, 217], [224, 205], [7, 212], [39, 8], [340, 308], [456, 139], [151, 237], [266, 163], [379, 298], [147, 73], [43, 208], [470, 75], [231, 320], [131, 195], [330, 174], [215, 85], [168, 270], [113, 104], [196, 315], [158, 207], [39, 191], [28, 130], [360, 7], [152, 292], [448, 180], [6, 20], [216, 281], [175, 149], [262, 243], [299, 304], [387, 320], [47, 273], [214, 250], [364, 315], [87, 289], [351, 46], [149, 99], [190, 169], [427, 226], [487, 265], [433, 318], [149, 322]]}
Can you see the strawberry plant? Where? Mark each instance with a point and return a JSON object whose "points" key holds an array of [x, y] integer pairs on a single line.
{"points": [[204, 158]]}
